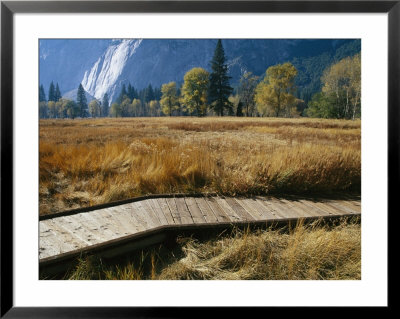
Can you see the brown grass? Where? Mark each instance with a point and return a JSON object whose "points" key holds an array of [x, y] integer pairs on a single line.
{"points": [[312, 252], [93, 161]]}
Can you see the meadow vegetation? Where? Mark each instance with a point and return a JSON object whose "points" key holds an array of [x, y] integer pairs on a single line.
{"points": [[314, 252], [91, 161]]}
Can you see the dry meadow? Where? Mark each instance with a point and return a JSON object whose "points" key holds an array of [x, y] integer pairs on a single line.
{"points": [[93, 161]]}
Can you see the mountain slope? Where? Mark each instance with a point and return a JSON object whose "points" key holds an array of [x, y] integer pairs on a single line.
{"points": [[103, 66]]}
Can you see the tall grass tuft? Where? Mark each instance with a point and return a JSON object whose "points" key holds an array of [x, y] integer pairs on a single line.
{"points": [[305, 252]]}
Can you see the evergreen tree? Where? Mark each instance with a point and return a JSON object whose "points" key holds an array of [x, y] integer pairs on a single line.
{"points": [[149, 94], [52, 92], [57, 94], [42, 95], [82, 101], [104, 105], [219, 89], [122, 94], [132, 94]]}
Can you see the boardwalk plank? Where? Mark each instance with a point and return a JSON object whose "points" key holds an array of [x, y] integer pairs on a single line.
{"points": [[149, 219], [65, 235], [236, 207], [346, 210], [284, 209], [150, 214], [235, 216], [208, 214], [158, 211], [300, 209], [174, 210], [350, 205], [195, 211], [50, 242], [165, 209], [313, 209], [222, 217], [250, 209], [100, 223], [331, 210], [81, 229], [124, 220], [255, 207], [183, 211], [159, 218], [266, 202]]}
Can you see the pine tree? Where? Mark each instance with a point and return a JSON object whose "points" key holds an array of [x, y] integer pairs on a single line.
{"points": [[149, 94], [104, 105], [82, 101], [57, 94], [219, 89], [42, 95], [122, 94], [52, 92], [132, 94]]}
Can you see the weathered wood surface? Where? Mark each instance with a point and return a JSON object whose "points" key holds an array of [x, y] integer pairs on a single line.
{"points": [[66, 234]]}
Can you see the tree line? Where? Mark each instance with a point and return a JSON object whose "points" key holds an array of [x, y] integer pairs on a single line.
{"points": [[205, 93]]}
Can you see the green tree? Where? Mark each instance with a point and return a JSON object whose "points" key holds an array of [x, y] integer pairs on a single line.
{"points": [[71, 108], [52, 92], [94, 108], [42, 95], [274, 95], [219, 89], [322, 105], [194, 91], [82, 101], [104, 105], [246, 91], [169, 100], [115, 110], [57, 93]]}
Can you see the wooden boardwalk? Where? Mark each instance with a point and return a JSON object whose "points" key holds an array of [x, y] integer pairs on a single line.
{"points": [[71, 233]]}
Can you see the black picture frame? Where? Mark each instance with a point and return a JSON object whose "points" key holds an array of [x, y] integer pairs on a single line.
{"points": [[9, 8]]}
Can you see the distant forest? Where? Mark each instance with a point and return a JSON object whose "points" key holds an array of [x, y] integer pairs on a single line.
{"points": [[290, 89]]}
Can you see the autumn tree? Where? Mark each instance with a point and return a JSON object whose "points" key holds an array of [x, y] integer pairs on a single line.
{"points": [[194, 91], [154, 108], [342, 82], [136, 107], [219, 88], [246, 91], [274, 95], [94, 108], [169, 100], [52, 112]]}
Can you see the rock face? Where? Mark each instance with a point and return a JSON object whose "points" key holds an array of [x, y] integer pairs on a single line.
{"points": [[103, 66]]}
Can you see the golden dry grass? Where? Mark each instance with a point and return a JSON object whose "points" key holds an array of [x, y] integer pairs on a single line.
{"points": [[312, 252], [93, 161]]}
